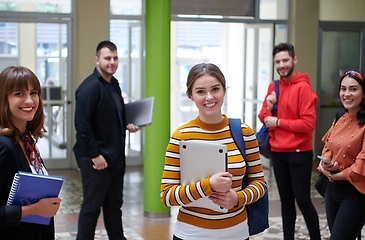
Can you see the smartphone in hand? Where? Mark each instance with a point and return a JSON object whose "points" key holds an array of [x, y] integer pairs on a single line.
{"points": [[325, 160]]}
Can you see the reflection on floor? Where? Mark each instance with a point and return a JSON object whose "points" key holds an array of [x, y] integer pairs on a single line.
{"points": [[137, 227]]}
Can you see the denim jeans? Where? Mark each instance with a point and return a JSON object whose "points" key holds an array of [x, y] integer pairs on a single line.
{"points": [[293, 172], [345, 210]]}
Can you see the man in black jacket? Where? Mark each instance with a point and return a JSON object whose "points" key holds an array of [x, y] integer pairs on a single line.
{"points": [[100, 141]]}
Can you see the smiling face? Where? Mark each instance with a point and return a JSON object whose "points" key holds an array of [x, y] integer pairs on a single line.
{"points": [[208, 95], [107, 63], [284, 65], [23, 104], [351, 95]]}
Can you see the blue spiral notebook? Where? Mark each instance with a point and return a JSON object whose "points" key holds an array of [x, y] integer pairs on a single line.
{"points": [[29, 188]]}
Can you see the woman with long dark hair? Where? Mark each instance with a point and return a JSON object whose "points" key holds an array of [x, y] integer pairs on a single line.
{"points": [[345, 149]]}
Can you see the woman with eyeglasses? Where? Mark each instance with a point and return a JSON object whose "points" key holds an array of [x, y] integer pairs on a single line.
{"points": [[345, 149]]}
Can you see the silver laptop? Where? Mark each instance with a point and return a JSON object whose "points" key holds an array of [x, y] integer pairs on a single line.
{"points": [[200, 160], [140, 112]]}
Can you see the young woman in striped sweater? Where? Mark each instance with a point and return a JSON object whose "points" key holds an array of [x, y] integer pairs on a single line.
{"points": [[206, 86]]}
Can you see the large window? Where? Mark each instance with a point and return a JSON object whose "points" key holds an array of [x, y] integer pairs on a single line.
{"points": [[43, 6], [196, 42], [8, 39], [273, 9], [52, 52], [126, 32], [238, 37], [41, 42], [126, 7], [341, 50]]}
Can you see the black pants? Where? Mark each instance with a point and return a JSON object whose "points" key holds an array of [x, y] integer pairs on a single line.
{"points": [[293, 172], [101, 189], [176, 238], [345, 210]]}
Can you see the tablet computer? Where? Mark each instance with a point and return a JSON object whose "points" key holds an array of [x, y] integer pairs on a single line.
{"points": [[140, 112], [200, 160]]}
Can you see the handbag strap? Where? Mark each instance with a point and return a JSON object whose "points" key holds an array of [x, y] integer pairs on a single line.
{"points": [[339, 113], [277, 91], [236, 132]]}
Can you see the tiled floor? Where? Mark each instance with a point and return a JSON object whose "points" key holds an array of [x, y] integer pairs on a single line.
{"points": [[137, 227]]}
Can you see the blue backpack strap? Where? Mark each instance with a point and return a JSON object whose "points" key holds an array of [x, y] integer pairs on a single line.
{"points": [[259, 210], [236, 132], [277, 91]]}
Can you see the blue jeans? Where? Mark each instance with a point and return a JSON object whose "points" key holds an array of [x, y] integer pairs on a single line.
{"points": [[345, 210], [102, 189], [293, 172]]}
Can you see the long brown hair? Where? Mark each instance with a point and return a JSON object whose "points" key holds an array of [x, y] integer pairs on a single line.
{"points": [[18, 78]]}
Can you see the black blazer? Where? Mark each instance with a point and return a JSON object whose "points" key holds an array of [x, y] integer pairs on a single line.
{"points": [[97, 122], [12, 160]]}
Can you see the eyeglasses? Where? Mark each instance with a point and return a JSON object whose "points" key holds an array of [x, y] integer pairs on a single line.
{"points": [[354, 73]]}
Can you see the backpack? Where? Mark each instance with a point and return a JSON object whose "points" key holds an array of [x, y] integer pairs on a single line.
{"points": [[263, 135], [258, 212]]}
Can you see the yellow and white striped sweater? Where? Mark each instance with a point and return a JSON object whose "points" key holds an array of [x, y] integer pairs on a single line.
{"points": [[217, 133]]}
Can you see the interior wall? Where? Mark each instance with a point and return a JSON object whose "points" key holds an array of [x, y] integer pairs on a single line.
{"points": [[27, 44], [92, 27], [303, 34], [27, 40], [339, 10]]}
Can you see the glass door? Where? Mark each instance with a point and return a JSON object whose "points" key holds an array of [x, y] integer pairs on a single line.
{"points": [[43, 48], [52, 70], [258, 70], [258, 73], [340, 50], [127, 35]]}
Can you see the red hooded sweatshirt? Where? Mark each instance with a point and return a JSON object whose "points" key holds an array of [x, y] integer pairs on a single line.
{"points": [[297, 113]]}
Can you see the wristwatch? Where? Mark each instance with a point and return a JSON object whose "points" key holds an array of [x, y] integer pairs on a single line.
{"points": [[329, 177]]}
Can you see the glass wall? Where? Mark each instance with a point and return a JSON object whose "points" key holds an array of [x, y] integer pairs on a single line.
{"points": [[8, 39], [49, 44], [126, 7], [41, 43], [126, 30], [239, 44], [9, 45], [340, 51], [273, 9], [243, 53], [52, 72], [42, 6], [195, 42]]}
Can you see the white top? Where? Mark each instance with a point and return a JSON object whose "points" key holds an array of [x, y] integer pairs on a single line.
{"points": [[44, 170], [190, 232]]}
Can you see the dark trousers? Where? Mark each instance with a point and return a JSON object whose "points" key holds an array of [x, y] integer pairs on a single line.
{"points": [[176, 238], [345, 210], [293, 172], [101, 189]]}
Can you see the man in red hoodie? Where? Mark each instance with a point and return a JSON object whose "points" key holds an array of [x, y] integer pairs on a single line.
{"points": [[291, 133]]}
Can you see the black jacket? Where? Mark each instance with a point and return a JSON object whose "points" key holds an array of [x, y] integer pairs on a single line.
{"points": [[12, 160], [97, 122]]}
